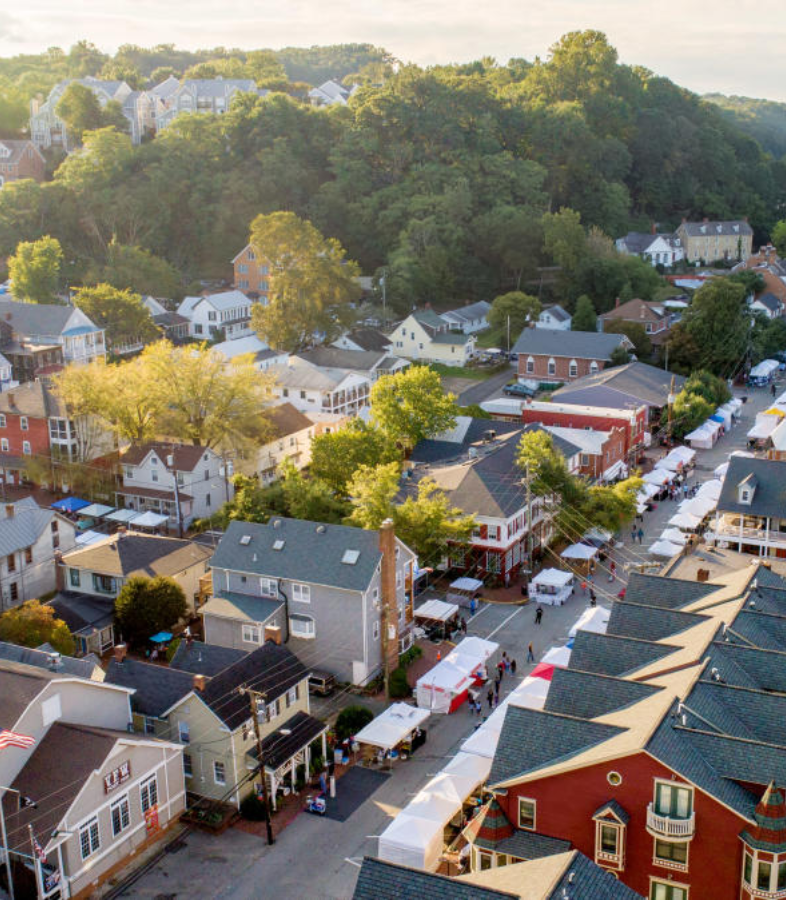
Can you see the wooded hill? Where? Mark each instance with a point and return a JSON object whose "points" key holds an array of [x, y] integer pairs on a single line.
{"points": [[763, 120]]}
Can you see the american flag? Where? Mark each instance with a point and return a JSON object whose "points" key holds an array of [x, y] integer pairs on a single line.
{"points": [[12, 739], [37, 848]]}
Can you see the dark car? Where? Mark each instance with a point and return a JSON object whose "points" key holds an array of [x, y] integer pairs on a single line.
{"points": [[518, 390], [322, 683]]}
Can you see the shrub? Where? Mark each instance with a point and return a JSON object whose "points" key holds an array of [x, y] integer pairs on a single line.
{"points": [[171, 650], [252, 808], [409, 656], [351, 720], [397, 685]]}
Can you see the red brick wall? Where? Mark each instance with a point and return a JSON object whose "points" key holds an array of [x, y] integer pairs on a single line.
{"points": [[31, 165], [37, 434], [584, 420], [566, 804], [563, 367]]}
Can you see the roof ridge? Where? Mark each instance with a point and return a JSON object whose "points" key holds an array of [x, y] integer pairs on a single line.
{"points": [[729, 737]]}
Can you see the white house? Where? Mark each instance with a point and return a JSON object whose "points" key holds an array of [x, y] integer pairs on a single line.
{"points": [[264, 356], [427, 336], [291, 435], [657, 249], [555, 318], [6, 375], [148, 481], [313, 389], [370, 363], [227, 313], [68, 326], [363, 339], [29, 538], [468, 319], [331, 93], [768, 304]]}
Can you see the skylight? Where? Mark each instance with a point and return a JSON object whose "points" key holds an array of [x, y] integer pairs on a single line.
{"points": [[245, 540], [350, 557], [278, 545]]}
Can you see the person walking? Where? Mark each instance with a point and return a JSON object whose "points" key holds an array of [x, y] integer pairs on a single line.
{"points": [[593, 598], [612, 571], [463, 625], [640, 533], [633, 533], [490, 697], [538, 615], [773, 389], [530, 653], [513, 667]]}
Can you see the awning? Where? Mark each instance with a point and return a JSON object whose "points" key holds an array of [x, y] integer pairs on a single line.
{"points": [[392, 726], [149, 520], [294, 735], [579, 551], [96, 510], [674, 536], [70, 504], [553, 577], [437, 610], [466, 584], [763, 429], [124, 516], [618, 468], [412, 841]]}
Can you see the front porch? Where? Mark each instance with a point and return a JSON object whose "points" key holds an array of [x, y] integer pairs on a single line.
{"points": [[761, 535]]}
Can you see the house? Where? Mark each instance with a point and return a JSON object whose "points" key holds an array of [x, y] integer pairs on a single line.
{"points": [[47, 129], [772, 269], [657, 249], [654, 318], [6, 374], [24, 360], [767, 304], [468, 319], [225, 315], [47, 658], [200, 95], [708, 241], [555, 318], [548, 355], [659, 752], [102, 568], [181, 481], [554, 877], [68, 326], [426, 336], [173, 325], [252, 273], [314, 389], [20, 159], [213, 722], [291, 434], [30, 539], [363, 339], [263, 356], [90, 619], [327, 587], [630, 386], [603, 456], [751, 512], [369, 363], [100, 795], [331, 93], [475, 466]]}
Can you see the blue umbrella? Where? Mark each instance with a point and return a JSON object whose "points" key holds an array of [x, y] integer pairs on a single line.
{"points": [[161, 638]]}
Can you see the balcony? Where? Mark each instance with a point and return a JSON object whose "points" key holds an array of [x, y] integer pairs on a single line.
{"points": [[670, 827], [728, 531]]}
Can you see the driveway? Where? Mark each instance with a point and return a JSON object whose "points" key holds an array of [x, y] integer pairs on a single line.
{"points": [[484, 390]]}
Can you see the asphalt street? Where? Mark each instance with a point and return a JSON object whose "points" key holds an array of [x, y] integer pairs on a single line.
{"points": [[485, 390]]}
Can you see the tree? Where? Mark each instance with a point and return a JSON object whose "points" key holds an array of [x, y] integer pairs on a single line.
{"points": [[778, 236], [564, 239], [79, 108], [719, 322], [410, 406], [146, 606], [351, 720], [548, 471], [584, 318], [689, 411], [619, 356], [634, 331], [310, 281], [336, 455], [136, 269], [372, 490], [35, 270], [605, 506], [309, 498], [34, 623], [511, 313], [711, 387], [123, 314], [768, 338]]}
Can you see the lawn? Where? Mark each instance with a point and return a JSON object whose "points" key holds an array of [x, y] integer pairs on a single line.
{"points": [[490, 338], [473, 373]]}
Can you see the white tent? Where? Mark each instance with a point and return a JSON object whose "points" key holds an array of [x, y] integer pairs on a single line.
{"points": [[469, 765], [703, 437], [721, 470], [664, 548], [684, 521], [462, 590], [724, 414], [445, 687], [483, 742], [551, 586], [648, 490], [453, 786], [466, 584], [392, 726], [148, 519], [437, 807], [736, 404], [436, 609], [676, 458], [764, 369], [763, 427], [596, 619], [658, 477], [83, 538], [710, 489], [698, 506], [674, 536], [411, 841], [579, 551], [686, 454], [530, 694], [597, 535], [477, 647], [557, 656]]}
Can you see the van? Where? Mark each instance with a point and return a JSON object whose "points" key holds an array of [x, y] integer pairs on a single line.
{"points": [[322, 683]]}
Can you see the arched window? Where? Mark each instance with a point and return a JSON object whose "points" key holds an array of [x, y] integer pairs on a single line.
{"points": [[552, 366], [593, 367], [573, 368], [530, 365]]}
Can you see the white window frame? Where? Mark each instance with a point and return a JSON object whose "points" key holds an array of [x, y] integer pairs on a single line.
{"points": [[375, 631], [24, 424], [301, 592], [296, 627], [530, 366], [4, 445], [252, 634], [223, 779], [534, 803], [122, 808], [27, 449], [673, 885], [672, 785], [188, 765], [573, 369], [670, 863], [184, 728], [293, 695], [91, 829], [268, 587], [551, 366]]}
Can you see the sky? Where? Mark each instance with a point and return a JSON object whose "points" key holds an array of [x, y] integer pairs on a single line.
{"points": [[729, 46]]}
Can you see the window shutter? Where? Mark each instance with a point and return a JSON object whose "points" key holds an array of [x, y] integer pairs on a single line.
{"points": [[484, 532]]}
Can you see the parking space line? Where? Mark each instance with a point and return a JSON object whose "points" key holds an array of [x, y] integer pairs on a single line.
{"points": [[505, 622]]}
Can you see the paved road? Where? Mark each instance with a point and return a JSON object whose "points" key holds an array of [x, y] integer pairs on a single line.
{"points": [[484, 390]]}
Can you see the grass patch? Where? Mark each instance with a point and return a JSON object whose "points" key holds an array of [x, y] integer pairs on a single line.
{"points": [[490, 338], [471, 372]]}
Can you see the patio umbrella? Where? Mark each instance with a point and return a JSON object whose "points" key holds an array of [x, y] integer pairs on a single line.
{"points": [[161, 638]]}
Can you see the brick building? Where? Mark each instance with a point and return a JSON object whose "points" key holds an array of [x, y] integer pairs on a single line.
{"points": [[24, 427], [547, 355], [251, 272], [20, 159], [602, 456]]}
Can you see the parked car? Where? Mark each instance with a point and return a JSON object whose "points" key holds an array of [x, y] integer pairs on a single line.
{"points": [[518, 390], [322, 683]]}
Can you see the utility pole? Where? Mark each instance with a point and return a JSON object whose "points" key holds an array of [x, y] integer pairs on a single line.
{"points": [[254, 699], [508, 336], [383, 285], [170, 461], [528, 486], [672, 397]]}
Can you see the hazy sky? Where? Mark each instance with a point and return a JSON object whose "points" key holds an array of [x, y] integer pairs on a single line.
{"points": [[732, 46]]}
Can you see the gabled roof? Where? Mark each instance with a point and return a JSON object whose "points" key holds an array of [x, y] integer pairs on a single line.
{"points": [[286, 420], [39, 318], [17, 148], [636, 310], [45, 658], [369, 339], [766, 632], [670, 593], [33, 399], [19, 685], [382, 880], [455, 444], [241, 607], [612, 809], [733, 227], [638, 241], [737, 711], [451, 337], [557, 312], [204, 659], [312, 552], [222, 301], [769, 498], [649, 623], [336, 358], [157, 688], [130, 554], [746, 666], [772, 303], [83, 613], [587, 696], [299, 375], [648, 384], [430, 320], [612, 655], [186, 457], [531, 739], [571, 344], [469, 313], [26, 526]]}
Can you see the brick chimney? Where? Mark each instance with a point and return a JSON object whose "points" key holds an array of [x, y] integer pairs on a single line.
{"points": [[273, 633], [703, 575], [617, 303], [9, 510], [120, 651], [200, 683], [654, 228], [389, 623], [59, 572]]}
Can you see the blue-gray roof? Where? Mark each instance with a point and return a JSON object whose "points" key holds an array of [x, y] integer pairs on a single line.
{"points": [[613, 808], [738, 712], [760, 630], [526, 845], [241, 607], [639, 381], [670, 593], [609, 654], [769, 496], [43, 658], [433, 450], [770, 301], [312, 552], [204, 659], [745, 666], [531, 739], [382, 880], [24, 527], [588, 695], [584, 879], [572, 344], [649, 623], [157, 687]]}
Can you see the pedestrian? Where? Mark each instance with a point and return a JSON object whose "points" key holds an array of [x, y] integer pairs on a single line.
{"points": [[463, 625], [472, 606], [501, 669], [584, 587], [685, 490], [593, 598], [640, 533], [538, 615], [478, 708], [490, 697], [612, 571], [633, 533], [530, 653], [506, 661], [496, 692], [773, 390], [513, 667]]}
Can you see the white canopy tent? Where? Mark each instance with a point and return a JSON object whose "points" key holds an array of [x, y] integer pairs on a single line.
{"points": [[710, 489], [764, 369], [685, 521], [724, 414], [763, 427], [148, 519], [469, 765], [664, 548], [453, 786], [698, 506], [83, 538], [597, 535], [462, 590], [675, 459], [658, 477], [437, 610], [596, 619], [412, 841], [686, 454], [674, 536], [703, 437], [445, 687], [436, 807], [583, 552], [557, 656], [530, 694], [551, 586], [392, 726]]}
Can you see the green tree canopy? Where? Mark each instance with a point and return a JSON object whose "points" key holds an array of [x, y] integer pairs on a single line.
{"points": [[410, 406], [123, 315], [689, 411], [635, 332], [79, 108], [511, 313], [548, 470], [585, 317], [35, 270], [138, 270], [778, 236], [336, 455], [34, 623], [719, 323], [714, 389], [146, 606]]}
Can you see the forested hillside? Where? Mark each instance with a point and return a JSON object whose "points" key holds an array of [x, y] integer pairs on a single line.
{"points": [[441, 175], [764, 120]]}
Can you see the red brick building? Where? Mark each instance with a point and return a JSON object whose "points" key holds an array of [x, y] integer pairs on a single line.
{"points": [[603, 453], [559, 356], [660, 749], [20, 159], [31, 423]]}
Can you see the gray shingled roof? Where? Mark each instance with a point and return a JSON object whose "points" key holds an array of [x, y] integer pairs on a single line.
{"points": [[613, 807], [204, 659], [733, 227], [429, 319], [572, 344], [770, 301], [312, 552], [608, 654], [241, 607], [382, 880], [434, 450], [526, 845], [670, 593], [587, 696], [557, 312], [470, 312], [736, 711], [649, 623], [369, 339], [584, 879], [126, 554], [42, 658], [769, 497], [157, 687], [26, 525], [35, 318], [18, 686], [747, 666], [336, 358], [761, 630], [531, 739], [83, 612], [647, 384]]}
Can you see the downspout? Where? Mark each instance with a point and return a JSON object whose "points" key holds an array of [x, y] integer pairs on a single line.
{"points": [[286, 609]]}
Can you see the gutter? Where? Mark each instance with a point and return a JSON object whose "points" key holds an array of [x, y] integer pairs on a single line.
{"points": [[286, 608]]}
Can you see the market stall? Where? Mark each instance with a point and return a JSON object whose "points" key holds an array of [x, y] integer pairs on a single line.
{"points": [[580, 552], [148, 519], [394, 733], [658, 477], [665, 549], [70, 504], [685, 521], [698, 506], [763, 427], [710, 489], [557, 656], [762, 374], [437, 618], [89, 514], [596, 619], [412, 841], [551, 586], [674, 536], [445, 687], [464, 591], [704, 437]]}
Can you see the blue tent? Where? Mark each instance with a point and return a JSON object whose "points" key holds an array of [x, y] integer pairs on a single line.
{"points": [[717, 418], [70, 504]]}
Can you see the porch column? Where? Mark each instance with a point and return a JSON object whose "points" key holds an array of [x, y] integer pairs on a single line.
{"points": [[765, 550], [273, 789], [324, 747], [308, 762], [294, 774]]}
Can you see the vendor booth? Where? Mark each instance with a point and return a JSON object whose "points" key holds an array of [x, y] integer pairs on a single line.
{"points": [[596, 536], [677, 459], [394, 733], [763, 427], [674, 536], [580, 552], [445, 687], [551, 586], [685, 521], [148, 520], [437, 618], [763, 373], [710, 489], [412, 841], [596, 619], [704, 437], [658, 477], [464, 591], [665, 549], [698, 506], [557, 656]]}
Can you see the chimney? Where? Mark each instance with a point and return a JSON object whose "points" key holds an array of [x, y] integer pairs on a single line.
{"points": [[59, 572], [617, 303], [273, 633], [654, 228], [200, 683], [389, 624], [9, 510], [703, 575], [120, 651], [11, 401]]}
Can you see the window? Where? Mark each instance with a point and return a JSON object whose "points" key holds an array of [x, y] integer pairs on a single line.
{"points": [[4, 445], [23, 424], [485, 860], [211, 317], [242, 268], [251, 634], [375, 631], [302, 627], [747, 871], [148, 793], [273, 709], [301, 592], [73, 577], [552, 367], [593, 367], [10, 561], [293, 695], [26, 448], [150, 725], [672, 801], [184, 732], [672, 852], [219, 772], [609, 839], [120, 815], [2, 420], [208, 501], [526, 814], [573, 368], [13, 589], [763, 875], [268, 587], [28, 555], [585, 459], [104, 584], [88, 837], [188, 768], [660, 890], [154, 476]]}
